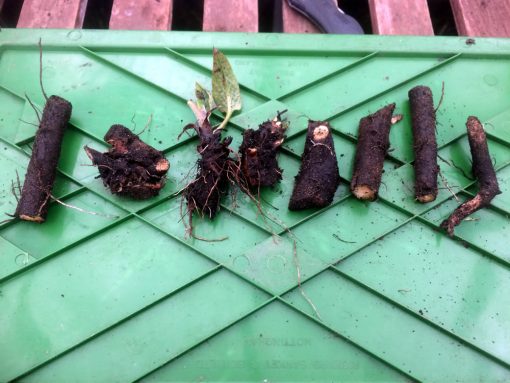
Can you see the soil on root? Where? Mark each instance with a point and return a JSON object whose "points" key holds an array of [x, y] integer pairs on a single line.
{"points": [[373, 144], [42, 168], [131, 167], [259, 153], [484, 172], [425, 164], [318, 177]]}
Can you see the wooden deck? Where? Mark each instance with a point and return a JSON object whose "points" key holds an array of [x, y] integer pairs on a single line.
{"points": [[392, 17]]}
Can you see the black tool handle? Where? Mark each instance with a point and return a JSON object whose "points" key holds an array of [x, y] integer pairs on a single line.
{"points": [[327, 16]]}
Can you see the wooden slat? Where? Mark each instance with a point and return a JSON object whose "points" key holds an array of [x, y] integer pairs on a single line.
{"points": [[486, 18], [231, 15], [141, 15], [294, 22], [52, 14], [397, 17]]}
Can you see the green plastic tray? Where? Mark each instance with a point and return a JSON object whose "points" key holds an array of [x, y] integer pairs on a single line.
{"points": [[125, 296]]}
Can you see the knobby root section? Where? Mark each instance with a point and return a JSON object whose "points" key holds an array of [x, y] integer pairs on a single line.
{"points": [[318, 177], [425, 164], [40, 177], [484, 172], [219, 167], [373, 144], [259, 153], [130, 167]]}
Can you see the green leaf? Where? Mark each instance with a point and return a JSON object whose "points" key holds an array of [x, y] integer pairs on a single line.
{"points": [[204, 98], [225, 89]]}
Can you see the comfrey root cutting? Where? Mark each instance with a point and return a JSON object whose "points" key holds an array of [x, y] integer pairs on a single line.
{"points": [[484, 172], [131, 167]]}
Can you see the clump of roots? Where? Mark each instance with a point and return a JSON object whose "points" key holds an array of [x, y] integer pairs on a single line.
{"points": [[203, 194], [131, 167]]}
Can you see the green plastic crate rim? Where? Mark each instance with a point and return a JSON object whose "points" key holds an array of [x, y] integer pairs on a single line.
{"points": [[125, 296]]}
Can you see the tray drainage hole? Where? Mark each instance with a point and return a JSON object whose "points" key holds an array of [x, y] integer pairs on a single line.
{"points": [[74, 35], [276, 264], [490, 79], [242, 262], [22, 259]]}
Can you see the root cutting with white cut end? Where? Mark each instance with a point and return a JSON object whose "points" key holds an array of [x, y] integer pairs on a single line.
{"points": [[318, 177], [484, 172], [320, 133], [371, 149]]}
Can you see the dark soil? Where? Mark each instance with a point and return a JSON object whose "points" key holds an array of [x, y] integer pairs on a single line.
{"points": [[425, 146], [484, 172], [42, 168], [373, 144], [131, 167], [259, 153], [318, 177]]}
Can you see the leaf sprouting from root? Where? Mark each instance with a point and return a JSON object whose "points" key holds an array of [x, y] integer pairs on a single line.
{"points": [[200, 113], [204, 98], [203, 105], [225, 89]]}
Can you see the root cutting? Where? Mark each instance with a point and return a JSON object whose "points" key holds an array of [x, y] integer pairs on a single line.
{"points": [[204, 193], [131, 167], [373, 144], [425, 146], [318, 177], [259, 153], [484, 172], [42, 168]]}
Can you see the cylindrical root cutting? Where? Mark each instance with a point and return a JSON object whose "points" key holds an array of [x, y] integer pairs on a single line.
{"points": [[373, 144], [484, 172], [42, 168], [318, 177], [425, 145], [131, 167]]}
